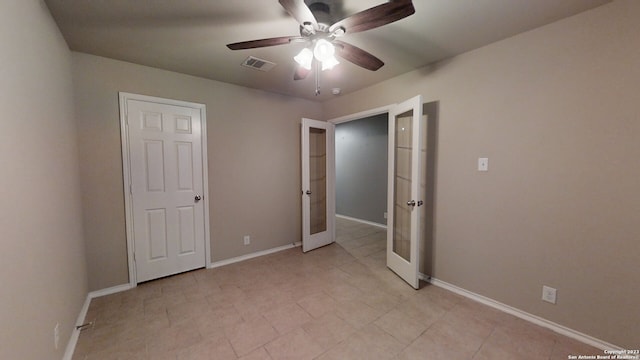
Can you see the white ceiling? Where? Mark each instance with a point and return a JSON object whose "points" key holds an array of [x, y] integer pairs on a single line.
{"points": [[189, 36]]}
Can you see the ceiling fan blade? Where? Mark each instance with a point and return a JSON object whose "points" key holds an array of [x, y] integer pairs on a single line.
{"points": [[301, 12], [301, 73], [357, 56], [376, 16], [263, 42]]}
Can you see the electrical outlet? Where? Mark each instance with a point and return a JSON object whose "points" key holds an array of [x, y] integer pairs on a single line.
{"points": [[483, 164], [56, 335], [247, 239], [548, 294]]}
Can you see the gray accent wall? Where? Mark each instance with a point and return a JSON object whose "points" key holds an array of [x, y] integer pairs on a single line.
{"points": [[361, 168]]}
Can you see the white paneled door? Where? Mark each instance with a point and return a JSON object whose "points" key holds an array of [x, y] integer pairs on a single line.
{"points": [[318, 189], [166, 188], [407, 129]]}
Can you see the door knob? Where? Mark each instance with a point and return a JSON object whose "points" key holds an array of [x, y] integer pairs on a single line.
{"points": [[308, 192], [420, 202], [411, 203], [198, 198]]}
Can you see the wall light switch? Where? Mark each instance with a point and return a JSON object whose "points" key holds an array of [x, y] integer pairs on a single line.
{"points": [[483, 164], [549, 294]]}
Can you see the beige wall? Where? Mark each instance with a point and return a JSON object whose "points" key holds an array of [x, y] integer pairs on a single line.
{"points": [[42, 262], [253, 151], [556, 111]]}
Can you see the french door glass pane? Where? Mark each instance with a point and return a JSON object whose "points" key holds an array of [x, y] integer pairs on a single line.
{"points": [[318, 179], [402, 185]]}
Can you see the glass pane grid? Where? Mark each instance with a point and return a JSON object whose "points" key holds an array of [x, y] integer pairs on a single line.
{"points": [[402, 185], [318, 179]]}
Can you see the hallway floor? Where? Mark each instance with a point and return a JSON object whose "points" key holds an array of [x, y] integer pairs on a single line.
{"points": [[336, 302]]}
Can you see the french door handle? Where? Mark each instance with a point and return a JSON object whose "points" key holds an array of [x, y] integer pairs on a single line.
{"points": [[411, 203]]}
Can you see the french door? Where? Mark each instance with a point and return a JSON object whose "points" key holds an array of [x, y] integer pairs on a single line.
{"points": [[407, 130], [318, 189]]}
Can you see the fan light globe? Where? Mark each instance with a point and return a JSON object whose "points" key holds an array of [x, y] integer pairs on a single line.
{"points": [[329, 63], [304, 58], [323, 50]]}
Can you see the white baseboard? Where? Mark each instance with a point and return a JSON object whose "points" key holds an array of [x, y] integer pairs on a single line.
{"points": [[383, 226], [75, 333], [253, 255], [560, 329], [109, 291]]}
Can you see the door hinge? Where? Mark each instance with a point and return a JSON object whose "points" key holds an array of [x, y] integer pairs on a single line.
{"points": [[134, 257], [130, 189]]}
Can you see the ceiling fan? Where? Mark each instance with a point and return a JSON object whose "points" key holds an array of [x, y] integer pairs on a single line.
{"points": [[321, 34]]}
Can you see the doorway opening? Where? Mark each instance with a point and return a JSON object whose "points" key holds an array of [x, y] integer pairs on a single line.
{"points": [[360, 219]]}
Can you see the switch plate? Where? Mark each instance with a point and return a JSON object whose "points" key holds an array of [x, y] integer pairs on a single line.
{"points": [[247, 240], [483, 164], [548, 294], [385, 214]]}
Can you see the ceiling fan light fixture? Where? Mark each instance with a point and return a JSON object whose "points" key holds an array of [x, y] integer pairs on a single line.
{"points": [[304, 58], [329, 63], [323, 50]]}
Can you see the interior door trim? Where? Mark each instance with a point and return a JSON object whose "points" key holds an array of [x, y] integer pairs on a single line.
{"points": [[126, 174]]}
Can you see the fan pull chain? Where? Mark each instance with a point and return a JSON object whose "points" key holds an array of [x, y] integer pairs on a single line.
{"points": [[317, 71]]}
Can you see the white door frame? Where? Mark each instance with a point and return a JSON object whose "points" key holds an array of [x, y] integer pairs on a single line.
{"points": [[362, 114], [126, 174]]}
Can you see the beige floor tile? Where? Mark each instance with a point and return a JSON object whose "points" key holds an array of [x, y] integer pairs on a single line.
{"points": [[173, 339], [250, 335], [328, 330], [336, 302], [380, 339], [455, 336], [369, 343], [381, 300], [522, 339], [460, 317], [210, 328], [366, 250], [318, 304], [492, 351], [296, 344], [427, 348], [426, 314], [343, 291], [187, 310], [208, 350], [400, 326], [287, 317], [564, 347], [227, 295], [257, 354], [349, 243], [357, 313]]}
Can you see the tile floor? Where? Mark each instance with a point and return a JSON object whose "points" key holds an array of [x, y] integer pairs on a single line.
{"points": [[337, 302]]}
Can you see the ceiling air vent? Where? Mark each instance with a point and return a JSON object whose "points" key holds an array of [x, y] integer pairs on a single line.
{"points": [[258, 64]]}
